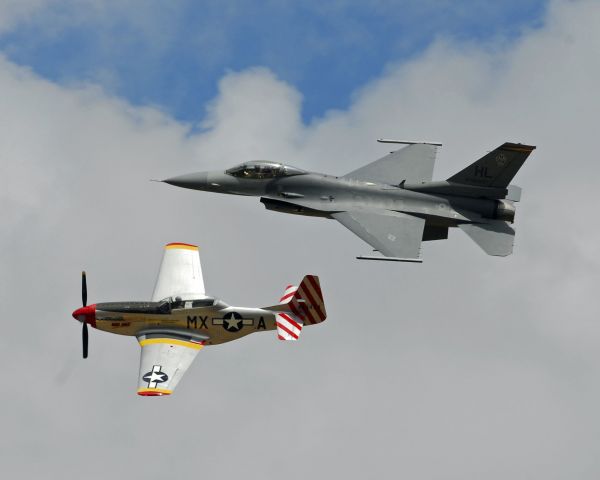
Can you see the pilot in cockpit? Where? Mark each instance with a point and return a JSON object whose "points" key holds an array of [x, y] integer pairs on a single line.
{"points": [[177, 303]]}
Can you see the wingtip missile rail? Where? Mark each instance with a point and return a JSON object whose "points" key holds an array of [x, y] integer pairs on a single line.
{"points": [[409, 142]]}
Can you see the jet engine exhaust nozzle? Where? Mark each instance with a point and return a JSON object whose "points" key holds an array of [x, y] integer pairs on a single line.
{"points": [[505, 210]]}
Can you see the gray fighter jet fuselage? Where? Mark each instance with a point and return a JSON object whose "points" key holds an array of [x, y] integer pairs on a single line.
{"points": [[392, 204]]}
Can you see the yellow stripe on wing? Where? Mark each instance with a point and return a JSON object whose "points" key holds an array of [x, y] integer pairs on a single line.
{"points": [[184, 246], [171, 341], [149, 392]]}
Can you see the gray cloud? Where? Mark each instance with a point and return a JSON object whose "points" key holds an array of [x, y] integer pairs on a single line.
{"points": [[464, 367]]}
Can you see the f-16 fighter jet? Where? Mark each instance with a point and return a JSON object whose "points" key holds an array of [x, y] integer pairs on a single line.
{"points": [[392, 203], [181, 319]]}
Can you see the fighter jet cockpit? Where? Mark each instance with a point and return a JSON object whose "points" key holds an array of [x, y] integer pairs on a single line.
{"points": [[263, 170]]}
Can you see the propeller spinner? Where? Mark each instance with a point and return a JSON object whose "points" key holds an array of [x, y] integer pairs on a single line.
{"points": [[85, 315]]}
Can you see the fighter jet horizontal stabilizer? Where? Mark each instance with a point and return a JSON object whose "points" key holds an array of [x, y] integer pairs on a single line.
{"points": [[389, 259], [409, 142]]}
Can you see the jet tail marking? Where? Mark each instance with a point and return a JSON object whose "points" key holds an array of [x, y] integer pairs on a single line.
{"points": [[496, 169]]}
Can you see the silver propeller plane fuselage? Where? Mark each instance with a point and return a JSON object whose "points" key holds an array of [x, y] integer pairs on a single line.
{"points": [[392, 203]]}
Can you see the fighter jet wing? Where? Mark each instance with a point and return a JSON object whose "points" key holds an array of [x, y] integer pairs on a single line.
{"points": [[394, 234], [166, 356], [180, 273], [412, 164]]}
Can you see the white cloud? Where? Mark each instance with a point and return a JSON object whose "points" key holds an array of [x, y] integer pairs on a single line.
{"points": [[463, 367]]}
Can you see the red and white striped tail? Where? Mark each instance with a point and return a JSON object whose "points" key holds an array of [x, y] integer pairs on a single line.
{"points": [[307, 303], [288, 327], [288, 294], [306, 306]]}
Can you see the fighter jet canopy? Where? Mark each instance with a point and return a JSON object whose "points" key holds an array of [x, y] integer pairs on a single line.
{"points": [[263, 169]]}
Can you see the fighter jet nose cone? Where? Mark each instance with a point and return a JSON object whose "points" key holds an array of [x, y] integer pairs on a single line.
{"points": [[191, 180], [87, 314]]}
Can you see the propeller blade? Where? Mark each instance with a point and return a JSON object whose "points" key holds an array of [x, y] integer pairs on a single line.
{"points": [[84, 339], [83, 289]]}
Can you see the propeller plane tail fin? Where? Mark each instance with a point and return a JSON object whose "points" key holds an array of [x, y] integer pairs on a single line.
{"points": [[300, 305]]}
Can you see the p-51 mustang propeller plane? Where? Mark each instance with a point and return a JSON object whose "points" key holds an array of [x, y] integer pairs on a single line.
{"points": [[392, 203], [181, 319]]}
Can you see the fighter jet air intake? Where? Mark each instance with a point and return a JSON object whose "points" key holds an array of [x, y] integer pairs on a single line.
{"points": [[391, 203]]}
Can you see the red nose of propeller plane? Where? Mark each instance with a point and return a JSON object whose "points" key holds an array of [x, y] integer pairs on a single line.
{"points": [[87, 314]]}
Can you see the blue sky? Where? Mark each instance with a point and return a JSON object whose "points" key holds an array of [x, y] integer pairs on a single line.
{"points": [[173, 56]]}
